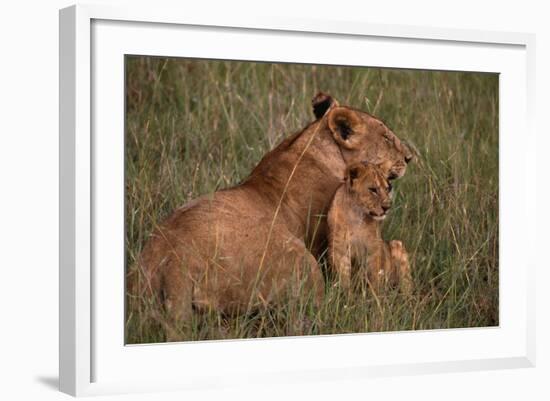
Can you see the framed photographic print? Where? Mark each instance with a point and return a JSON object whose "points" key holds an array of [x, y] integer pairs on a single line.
{"points": [[265, 200]]}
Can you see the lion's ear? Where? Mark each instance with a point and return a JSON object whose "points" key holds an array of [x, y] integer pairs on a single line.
{"points": [[344, 124], [321, 103], [354, 171]]}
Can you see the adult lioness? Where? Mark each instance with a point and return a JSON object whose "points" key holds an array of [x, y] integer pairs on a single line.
{"points": [[246, 246]]}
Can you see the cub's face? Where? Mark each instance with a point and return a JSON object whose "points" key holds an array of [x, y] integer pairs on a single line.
{"points": [[370, 189], [363, 137]]}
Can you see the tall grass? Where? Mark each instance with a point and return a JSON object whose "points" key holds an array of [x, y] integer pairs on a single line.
{"points": [[196, 126]]}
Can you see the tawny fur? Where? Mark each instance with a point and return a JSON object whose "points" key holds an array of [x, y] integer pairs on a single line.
{"points": [[355, 222], [245, 246]]}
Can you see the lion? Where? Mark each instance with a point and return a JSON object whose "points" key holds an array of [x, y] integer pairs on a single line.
{"points": [[244, 247], [355, 218]]}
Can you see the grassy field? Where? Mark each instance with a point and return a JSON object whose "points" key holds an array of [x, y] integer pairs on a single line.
{"points": [[193, 127]]}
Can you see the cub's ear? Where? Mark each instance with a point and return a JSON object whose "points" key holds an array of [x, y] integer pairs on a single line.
{"points": [[322, 102], [344, 124], [354, 172]]}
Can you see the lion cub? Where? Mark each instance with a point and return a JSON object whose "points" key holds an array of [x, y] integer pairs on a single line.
{"points": [[355, 217]]}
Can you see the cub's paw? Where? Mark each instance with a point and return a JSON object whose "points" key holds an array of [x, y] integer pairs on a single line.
{"points": [[400, 262], [398, 252]]}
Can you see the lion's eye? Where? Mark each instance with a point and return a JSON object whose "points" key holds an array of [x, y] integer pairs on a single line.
{"points": [[373, 190]]}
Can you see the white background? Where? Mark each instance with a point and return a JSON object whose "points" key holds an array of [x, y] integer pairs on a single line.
{"points": [[29, 199]]}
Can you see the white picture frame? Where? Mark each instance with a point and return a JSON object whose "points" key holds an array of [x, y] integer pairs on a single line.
{"points": [[94, 360]]}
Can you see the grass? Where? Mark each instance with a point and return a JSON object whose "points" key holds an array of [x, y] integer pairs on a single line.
{"points": [[196, 126]]}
